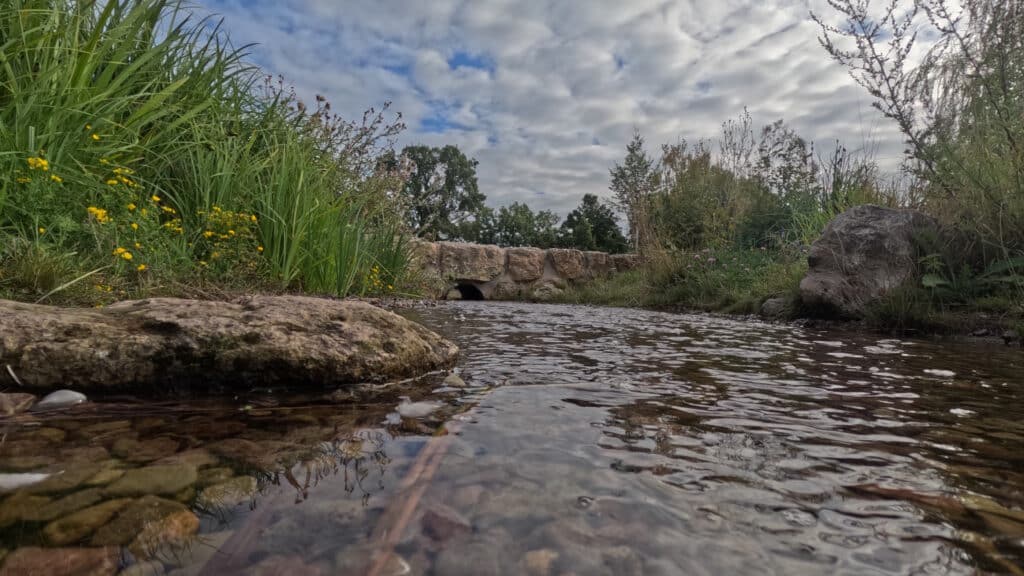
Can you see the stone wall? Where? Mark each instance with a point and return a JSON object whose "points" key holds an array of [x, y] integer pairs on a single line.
{"points": [[478, 271]]}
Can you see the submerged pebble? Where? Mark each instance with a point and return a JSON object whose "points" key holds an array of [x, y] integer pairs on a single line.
{"points": [[59, 399]]}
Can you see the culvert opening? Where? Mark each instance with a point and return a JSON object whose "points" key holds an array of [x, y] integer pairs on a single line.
{"points": [[469, 292]]}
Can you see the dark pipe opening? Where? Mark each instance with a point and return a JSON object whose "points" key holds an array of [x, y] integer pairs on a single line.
{"points": [[469, 292]]}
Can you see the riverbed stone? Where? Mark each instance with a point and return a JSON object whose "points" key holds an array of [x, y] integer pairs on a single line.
{"points": [[78, 526], [131, 521], [862, 255], [158, 344], [61, 562], [26, 463], [21, 507], [228, 493], [525, 264], [211, 476], [132, 450], [540, 562], [68, 504], [162, 480], [168, 533], [104, 477], [15, 403], [75, 475], [441, 523], [776, 308], [198, 457]]}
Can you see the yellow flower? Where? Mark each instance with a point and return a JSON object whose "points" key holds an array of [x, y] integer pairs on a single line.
{"points": [[259, 248], [56, 178], [127, 255], [23, 179], [154, 198], [390, 287], [99, 214], [131, 206], [37, 163], [202, 263], [96, 137], [104, 161], [140, 267], [134, 226], [42, 230], [253, 217], [143, 211], [112, 182], [215, 255], [88, 126], [118, 251], [120, 170], [208, 233], [231, 232], [137, 245]]}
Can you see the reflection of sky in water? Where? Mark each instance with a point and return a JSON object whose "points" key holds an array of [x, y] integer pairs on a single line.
{"points": [[601, 441]]}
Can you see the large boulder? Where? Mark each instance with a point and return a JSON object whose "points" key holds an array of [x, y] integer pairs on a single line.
{"points": [[160, 343], [597, 264], [566, 262], [471, 262], [863, 253], [525, 264]]}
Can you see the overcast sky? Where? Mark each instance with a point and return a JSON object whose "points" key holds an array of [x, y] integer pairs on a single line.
{"points": [[545, 94]]}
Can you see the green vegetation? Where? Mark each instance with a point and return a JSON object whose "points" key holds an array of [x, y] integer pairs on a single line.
{"points": [[140, 154], [961, 110]]}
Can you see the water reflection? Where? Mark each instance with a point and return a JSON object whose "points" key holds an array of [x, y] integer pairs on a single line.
{"points": [[583, 440]]}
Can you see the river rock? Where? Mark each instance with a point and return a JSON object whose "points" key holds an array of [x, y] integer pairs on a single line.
{"points": [[61, 562], [162, 343], [133, 450], [165, 480], [20, 507], [58, 399], [454, 380], [15, 403], [77, 474], [540, 562], [862, 254], [471, 262], [776, 308], [80, 525], [228, 493], [170, 532], [68, 504], [135, 518], [442, 523], [525, 264]]}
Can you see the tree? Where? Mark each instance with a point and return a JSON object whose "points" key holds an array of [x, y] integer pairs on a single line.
{"points": [[441, 193], [592, 226], [518, 225], [632, 184]]}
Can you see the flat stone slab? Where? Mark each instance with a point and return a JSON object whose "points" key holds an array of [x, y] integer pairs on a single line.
{"points": [[160, 343]]}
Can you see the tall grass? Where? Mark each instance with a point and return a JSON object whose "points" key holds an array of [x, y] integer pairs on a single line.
{"points": [[136, 137]]}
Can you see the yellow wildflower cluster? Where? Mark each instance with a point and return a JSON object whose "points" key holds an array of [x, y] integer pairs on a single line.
{"points": [[121, 176], [229, 236], [99, 214], [121, 252], [374, 281], [38, 163]]}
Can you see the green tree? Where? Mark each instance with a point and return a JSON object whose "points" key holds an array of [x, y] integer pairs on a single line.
{"points": [[633, 181], [518, 225], [592, 226], [441, 193]]}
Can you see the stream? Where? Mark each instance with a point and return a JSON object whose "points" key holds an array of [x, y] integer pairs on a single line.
{"points": [[575, 440]]}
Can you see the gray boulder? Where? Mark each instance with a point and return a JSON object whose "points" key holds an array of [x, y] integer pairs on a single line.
{"points": [[862, 254], [160, 343]]}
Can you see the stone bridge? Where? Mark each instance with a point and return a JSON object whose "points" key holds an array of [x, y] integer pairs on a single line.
{"points": [[484, 272]]}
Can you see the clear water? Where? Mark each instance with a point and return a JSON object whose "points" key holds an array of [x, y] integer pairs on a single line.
{"points": [[587, 441]]}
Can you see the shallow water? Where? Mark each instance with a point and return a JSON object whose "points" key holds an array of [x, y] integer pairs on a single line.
{"points": [[586, 441]]}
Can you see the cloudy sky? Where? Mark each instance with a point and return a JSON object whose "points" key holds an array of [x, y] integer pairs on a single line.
{"points": [[546, 93]]}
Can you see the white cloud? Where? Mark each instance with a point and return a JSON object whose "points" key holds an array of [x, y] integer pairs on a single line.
{"points": [[552, 90]]}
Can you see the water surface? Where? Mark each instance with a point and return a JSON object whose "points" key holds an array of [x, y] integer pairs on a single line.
{"points": [[585, 441]]}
